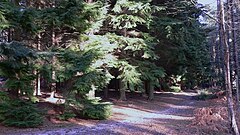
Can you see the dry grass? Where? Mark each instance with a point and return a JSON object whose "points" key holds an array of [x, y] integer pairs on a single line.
{"points": [[212, 118]]}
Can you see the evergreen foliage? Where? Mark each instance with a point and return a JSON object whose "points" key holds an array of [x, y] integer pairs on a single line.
{"points": [[19, 113], [182, 41], [88, 108], [66, 115], [135, 48], [97, 110], [4, 97], [17, 66], [86, 65]]}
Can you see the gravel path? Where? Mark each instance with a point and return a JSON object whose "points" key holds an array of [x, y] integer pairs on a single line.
{"points": [[170, 115]]}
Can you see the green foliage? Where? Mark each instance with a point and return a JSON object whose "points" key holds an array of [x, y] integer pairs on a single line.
{"points": [[182, 47], [175, 88], [3, 22], [20, 113], [86, 66], [96, 13], [94, 109], [129, 14], [66, 13], [205, 94], [34, 99], [66, 115], [130, 76], [4, 97], [19, 18], [17, 65], [89, 108]]}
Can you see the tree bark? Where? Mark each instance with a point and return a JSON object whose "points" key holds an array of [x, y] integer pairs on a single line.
{"points": [[221, 51], [37, 90], [235, 48], [151, 91], [121, 83], [105, 91], [53, 83], [227, 70], [144, 92], [122, 91]]}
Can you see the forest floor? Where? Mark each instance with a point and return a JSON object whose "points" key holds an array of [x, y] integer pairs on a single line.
{"points": [[168, 114]]}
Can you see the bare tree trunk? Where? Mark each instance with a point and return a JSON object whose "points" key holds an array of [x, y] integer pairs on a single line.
{"points": [[39, 85], [144, 92], [122, 91], [151, 91], [37, 90], [227, 70], [212, 50], [221, 51], [53, 83], [105, 93], [121, 83], [230, 43], [235, 48]]}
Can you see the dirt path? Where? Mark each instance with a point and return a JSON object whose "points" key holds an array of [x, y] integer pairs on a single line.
{"points": [[168, 114]]}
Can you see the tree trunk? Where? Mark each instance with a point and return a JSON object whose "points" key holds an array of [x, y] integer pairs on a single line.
{"points": [[230, 44], [227, 70], [212, 50], [235, 48], [53, 83], [37, 84], [144, 92], [105, 93], [221, 52], [121, 83], [151, 91], [37, 90], [122, 91], [91, 93]]}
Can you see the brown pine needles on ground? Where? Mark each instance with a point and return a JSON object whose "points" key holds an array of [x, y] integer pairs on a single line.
{"points": [[211, 118]]}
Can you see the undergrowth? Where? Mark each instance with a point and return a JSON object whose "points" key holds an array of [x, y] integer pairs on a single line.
{"points": [[19, 113], [92, 109], [205, 94], [66, 115]]}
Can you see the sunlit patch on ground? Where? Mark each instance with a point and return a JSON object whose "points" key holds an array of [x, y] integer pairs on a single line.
{"points": [[55, 100], [136, 116]]}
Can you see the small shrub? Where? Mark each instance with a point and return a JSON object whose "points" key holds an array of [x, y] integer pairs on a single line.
{"points": [[4, 97], [175, 88], [205, 94], [97, 110], [66, 115], [91, 108], [34, 99], [19, 113]]}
